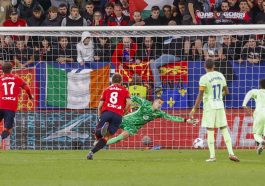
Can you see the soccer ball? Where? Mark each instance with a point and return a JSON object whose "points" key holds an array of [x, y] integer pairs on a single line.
{"points": [[198, 143], [146, 140]]}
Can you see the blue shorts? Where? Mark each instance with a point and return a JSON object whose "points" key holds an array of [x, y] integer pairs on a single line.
{"points": [[9, 118], [113, 119]]}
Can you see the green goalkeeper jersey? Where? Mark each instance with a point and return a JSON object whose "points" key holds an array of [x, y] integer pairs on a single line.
{"points": [[145, 113]]}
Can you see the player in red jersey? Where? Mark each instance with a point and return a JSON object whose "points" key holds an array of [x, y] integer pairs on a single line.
{"points": [[9, 92], [114, 103]]}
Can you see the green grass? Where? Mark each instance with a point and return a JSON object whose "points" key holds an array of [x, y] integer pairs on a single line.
{"points": [[132, 167]]}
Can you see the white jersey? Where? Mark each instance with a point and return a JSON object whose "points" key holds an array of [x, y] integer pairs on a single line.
{"points": [[258, 95], [214, 82]]}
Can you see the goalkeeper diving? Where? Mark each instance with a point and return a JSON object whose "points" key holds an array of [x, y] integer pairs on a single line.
{"points": [[147, 111]]}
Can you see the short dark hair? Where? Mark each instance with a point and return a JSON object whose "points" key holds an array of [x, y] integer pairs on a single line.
{"points": [[158, 98], [262, 83], [63, 5], [109, 5], [209, 64], [36, 9], [90, 3], [74, 6], [166, 6], [7, 67], [155, 8], [116, 78]]}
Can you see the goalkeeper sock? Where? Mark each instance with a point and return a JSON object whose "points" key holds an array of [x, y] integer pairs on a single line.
{"points": [[258, 138], [210, 141], [115, 140], [100, 144], [228, 141]]}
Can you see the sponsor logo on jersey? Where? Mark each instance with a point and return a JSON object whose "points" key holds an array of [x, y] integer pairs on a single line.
{"points": [[145, 117], [9, 98], [114, 106]]}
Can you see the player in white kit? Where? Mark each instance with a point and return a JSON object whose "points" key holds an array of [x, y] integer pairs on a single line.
{"points": [[258, 115], [212, 88]]}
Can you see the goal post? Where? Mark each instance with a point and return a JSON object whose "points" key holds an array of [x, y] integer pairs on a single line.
{"points": [[68, 72]]}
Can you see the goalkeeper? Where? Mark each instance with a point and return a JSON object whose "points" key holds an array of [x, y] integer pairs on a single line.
{"points": [[147, 111]]}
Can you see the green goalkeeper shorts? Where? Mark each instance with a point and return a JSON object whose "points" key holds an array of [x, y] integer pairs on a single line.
{"points": [[214, 118]]}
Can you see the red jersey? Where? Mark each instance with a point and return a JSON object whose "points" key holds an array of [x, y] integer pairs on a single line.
{"points": [[9, 91], [20, 22], [114, 98]]}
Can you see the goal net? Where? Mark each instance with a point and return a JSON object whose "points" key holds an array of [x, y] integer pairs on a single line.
{"points": [[68, 68]]}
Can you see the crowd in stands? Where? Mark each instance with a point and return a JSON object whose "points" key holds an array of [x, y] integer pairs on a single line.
{"points": [[23, 51]]}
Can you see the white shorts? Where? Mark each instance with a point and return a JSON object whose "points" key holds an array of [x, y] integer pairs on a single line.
{"points": [[214, 118], [259, 122]]}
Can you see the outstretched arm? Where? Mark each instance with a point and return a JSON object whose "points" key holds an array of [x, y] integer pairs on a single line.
{"points": [[139, 100], [248, 96], [180, 119], [27, 89], [173, 118]]}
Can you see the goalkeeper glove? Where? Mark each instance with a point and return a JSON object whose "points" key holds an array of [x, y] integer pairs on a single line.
{"points": [[192, 121]]}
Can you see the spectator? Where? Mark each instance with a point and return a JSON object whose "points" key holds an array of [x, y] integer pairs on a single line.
{"points": [[125, 7], [89, 12], [7, 44], [172, 50], [26, 8], [44, 52], [221, 19], [14, 20], [231, 48], [56, 3], [45, 4], [137, 19], [233, 5], [177, 7], [103, 49], [191, 50], [155, 18], [5, 8], [253, 53], [62, 11], [109, 10], [64, 53], [23, 55], [6, 50], [188, 16], [52, 18], [258, 8], [118, 19], [244, 9], [168, 14], [124, 52], [85, 49], [74, 19], [148, 51], [213, 51], [260, 18], [97, 19], [37, 17]]}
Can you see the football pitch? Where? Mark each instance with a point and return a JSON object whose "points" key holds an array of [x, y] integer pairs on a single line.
{"points": [[130, 167]]}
